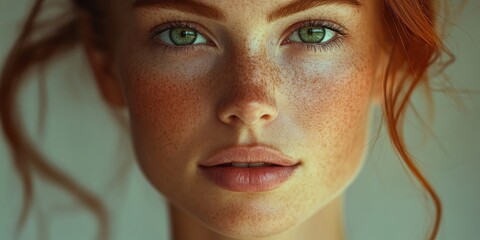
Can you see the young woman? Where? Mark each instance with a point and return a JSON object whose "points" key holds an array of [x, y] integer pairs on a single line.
{"points": [[250, 117]]}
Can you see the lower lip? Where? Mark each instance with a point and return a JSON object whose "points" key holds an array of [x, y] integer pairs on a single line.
{"points": [[252, 179]]}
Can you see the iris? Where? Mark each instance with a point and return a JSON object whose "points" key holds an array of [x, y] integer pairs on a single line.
{"points": [[311, 34], [182, 36]]}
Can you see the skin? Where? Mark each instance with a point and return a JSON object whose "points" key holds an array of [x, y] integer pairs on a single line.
{"points": [[242, 88]]}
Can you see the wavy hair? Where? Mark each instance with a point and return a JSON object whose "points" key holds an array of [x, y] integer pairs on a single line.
{"points": [[412, 34]]}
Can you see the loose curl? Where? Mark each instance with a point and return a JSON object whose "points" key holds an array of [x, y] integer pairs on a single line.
{"points": [[412, 36]]}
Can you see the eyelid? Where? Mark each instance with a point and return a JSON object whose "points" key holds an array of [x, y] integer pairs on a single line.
{"points": [[185, 24], [340, 31], [337, 28]]}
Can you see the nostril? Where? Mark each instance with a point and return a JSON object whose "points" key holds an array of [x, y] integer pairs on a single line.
{"points": [[232, 119], [248, 112], [267, 117]]}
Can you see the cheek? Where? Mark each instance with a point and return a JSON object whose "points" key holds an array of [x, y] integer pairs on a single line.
{"points": [[165, 110], [339, 91], [331, 102], [162, 110]]}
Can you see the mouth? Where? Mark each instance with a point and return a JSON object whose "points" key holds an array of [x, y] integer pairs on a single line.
{"points": [[248, 169], [248, 165]]}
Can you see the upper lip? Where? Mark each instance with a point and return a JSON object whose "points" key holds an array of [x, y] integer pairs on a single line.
{"points": [[257, 153]]}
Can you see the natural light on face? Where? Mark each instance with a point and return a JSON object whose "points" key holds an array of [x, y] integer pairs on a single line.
{"points": [[297, 78]]}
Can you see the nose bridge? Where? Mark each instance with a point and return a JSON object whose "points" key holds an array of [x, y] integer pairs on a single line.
{"points": [[251, 95], [255, 75]]}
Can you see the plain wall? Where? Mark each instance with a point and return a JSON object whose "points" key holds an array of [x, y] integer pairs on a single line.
{"points": [[81, 137]]}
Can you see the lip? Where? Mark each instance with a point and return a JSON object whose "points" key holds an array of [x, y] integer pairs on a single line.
{"points": [[219, 170]]}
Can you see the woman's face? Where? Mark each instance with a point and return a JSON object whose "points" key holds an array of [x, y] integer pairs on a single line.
{"points": [[243, 80]]}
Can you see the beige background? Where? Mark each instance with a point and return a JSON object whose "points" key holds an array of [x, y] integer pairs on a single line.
{"points": [[382, 203]]}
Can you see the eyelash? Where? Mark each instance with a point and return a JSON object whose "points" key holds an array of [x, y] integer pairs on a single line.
{"points": [[177, 24], [336, 42]]}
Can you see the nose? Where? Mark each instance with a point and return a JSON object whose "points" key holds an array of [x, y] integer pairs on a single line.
{"points": [[250, 98], [248, 106]]}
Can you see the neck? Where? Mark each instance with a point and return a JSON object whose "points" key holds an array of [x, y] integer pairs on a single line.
{"points": [[327, 223]]}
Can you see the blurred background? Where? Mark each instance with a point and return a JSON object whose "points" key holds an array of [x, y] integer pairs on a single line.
{"points": [[82, 138]]}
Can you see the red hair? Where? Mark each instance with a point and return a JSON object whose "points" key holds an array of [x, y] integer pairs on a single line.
{"points": [[413, 39], [416, 46]]}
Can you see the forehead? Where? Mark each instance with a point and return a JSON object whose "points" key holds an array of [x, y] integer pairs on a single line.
{"points": [[221, 10]]}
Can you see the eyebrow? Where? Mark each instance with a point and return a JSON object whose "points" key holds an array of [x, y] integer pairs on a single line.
{"points": [[207, 11], [302, 5], [189, 6]]}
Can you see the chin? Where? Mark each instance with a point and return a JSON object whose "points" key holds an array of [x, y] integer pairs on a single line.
{"points": [[252, 229], [250, 219]]}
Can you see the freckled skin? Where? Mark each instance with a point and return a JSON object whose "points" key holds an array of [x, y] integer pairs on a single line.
{"points": [[246, 89]]}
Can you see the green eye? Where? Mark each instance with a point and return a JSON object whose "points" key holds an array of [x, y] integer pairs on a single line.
{"points": [[181, 36], [312, 34]]}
